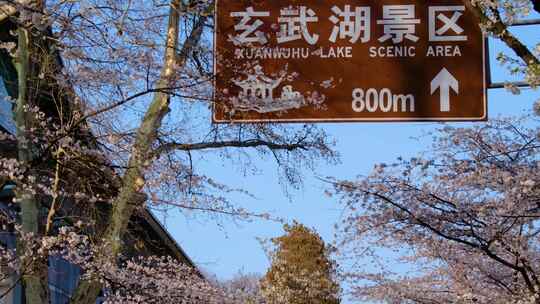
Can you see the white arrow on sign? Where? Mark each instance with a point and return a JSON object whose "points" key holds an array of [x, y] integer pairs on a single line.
{"points": [[444, 81]]}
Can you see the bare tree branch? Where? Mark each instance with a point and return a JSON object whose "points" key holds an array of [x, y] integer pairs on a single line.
{"points": [[496, 26], [250, 143]]}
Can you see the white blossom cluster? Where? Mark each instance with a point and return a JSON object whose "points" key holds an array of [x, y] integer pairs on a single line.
{"points": [[462, 220]]}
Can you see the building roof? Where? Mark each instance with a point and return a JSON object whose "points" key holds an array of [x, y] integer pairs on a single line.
{"points": [[258, 78]]}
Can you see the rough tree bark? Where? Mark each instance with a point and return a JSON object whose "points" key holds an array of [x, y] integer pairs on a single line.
{"points": [[34, 271]]}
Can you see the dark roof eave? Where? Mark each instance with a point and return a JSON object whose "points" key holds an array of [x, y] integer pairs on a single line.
{"points": [[165, 235], [150, 218]]}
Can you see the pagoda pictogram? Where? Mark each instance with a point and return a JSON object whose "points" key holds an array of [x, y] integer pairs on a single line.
{"points": [[258, 94]]}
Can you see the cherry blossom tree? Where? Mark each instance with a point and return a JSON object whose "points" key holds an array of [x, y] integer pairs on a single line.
{"points": [[456, 225], [111, 106], [244, 288]]}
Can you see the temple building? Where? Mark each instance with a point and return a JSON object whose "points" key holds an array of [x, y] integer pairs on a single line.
{"points": [[258, 85]]}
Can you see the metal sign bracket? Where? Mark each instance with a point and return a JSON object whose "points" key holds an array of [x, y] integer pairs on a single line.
{"points": [[501, 85]]}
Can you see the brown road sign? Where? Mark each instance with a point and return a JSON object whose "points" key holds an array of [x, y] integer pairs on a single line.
{"points": [[342, 60]]}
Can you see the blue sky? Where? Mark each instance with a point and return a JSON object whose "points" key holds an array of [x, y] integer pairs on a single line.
{"points": [[234, 247]]}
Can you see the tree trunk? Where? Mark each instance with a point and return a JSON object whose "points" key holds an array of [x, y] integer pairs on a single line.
{"points": [[87, 292], [131, 194], [34, 271], [133, 181], [129, 197]]}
